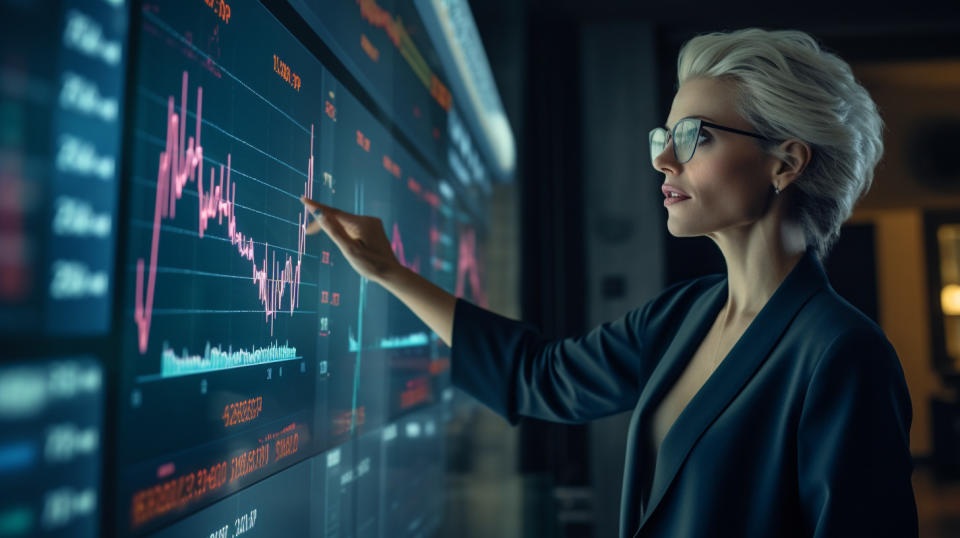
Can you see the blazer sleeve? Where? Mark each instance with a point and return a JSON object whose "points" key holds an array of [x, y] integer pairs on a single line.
{"points": [[854, 461], [508, 367]]}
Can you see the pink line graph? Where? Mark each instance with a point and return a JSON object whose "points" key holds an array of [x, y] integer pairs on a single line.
{"points": [[467, 263], [181, 162], [396, 243]]}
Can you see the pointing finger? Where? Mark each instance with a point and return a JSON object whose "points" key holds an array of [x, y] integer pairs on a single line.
{"points": [[315, 205], [349, 220]]}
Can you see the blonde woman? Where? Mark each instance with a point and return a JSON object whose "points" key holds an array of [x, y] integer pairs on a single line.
{"points": [[764, 405]]}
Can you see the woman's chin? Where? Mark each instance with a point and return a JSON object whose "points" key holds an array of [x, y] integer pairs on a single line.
{"points": [[679, 230]]}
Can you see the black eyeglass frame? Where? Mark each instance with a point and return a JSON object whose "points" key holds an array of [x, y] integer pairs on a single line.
{"points": [[700, 124]]}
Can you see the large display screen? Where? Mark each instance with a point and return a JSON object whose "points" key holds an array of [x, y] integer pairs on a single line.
{"points": [[255, 383]]}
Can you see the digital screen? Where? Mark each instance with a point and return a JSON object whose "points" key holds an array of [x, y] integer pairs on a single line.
{"points": [[248, 381], [384, 45]]}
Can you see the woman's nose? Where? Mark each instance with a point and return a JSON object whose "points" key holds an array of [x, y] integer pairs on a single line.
{"points": [[666, 160]]}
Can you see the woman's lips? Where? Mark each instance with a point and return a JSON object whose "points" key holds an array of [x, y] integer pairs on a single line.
{"points": [[669, 189], [668, 201]]}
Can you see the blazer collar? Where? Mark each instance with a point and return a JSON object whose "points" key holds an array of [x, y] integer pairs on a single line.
{"points": [[746, 356]]}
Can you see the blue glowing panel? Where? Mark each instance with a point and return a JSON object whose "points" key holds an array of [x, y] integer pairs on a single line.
{"points": [[51, 422], [61, 96]]}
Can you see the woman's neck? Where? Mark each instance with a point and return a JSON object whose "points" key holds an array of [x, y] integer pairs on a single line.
{"points": [[758, 258]]}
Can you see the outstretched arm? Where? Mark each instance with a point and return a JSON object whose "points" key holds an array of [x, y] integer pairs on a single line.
{"points": [[502, 362]]}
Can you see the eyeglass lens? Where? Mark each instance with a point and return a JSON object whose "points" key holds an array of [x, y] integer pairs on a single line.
{"points": [[684, 143]]}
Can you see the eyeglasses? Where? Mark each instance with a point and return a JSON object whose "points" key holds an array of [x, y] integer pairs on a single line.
{"points": [[685, 135]]}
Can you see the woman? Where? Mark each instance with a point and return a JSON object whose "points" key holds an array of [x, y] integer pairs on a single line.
{"points": [[763, 403]]}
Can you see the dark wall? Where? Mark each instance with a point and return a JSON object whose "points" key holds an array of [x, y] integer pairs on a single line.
{"points": [[552, 246]]}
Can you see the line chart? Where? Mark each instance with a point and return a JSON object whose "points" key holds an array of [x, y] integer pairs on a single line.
{"points": [[192, 233], [396, 243], [469, 267], [151, 96], [161, 142], [217, 358], [416, 339], [182, 162]]}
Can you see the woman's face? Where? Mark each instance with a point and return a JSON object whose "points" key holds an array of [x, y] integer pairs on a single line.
{"points": [[728, 179]]}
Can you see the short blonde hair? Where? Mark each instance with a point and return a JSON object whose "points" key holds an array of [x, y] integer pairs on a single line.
{"points": [[789, 87]]}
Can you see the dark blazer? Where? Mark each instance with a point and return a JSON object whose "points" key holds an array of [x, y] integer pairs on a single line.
{"points": [[802, 430]]}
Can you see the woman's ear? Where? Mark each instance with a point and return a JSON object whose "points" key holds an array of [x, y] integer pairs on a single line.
{"points": [[796, 156]]}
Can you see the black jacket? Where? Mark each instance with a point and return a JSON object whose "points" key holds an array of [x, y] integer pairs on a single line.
{"points": [[802, 430]]}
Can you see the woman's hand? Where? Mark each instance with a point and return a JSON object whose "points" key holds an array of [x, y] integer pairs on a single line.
{"points": [[365, 245], [361, 240]]}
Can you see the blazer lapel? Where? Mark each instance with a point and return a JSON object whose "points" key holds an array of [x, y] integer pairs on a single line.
{"points": [[729, 378], [691, 331]]}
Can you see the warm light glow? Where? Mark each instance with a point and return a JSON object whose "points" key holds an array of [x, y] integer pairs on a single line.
{"points": [[950, 300]]}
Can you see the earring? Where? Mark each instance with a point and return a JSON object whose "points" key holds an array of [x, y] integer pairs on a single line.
{"points": [[776, 190]]}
